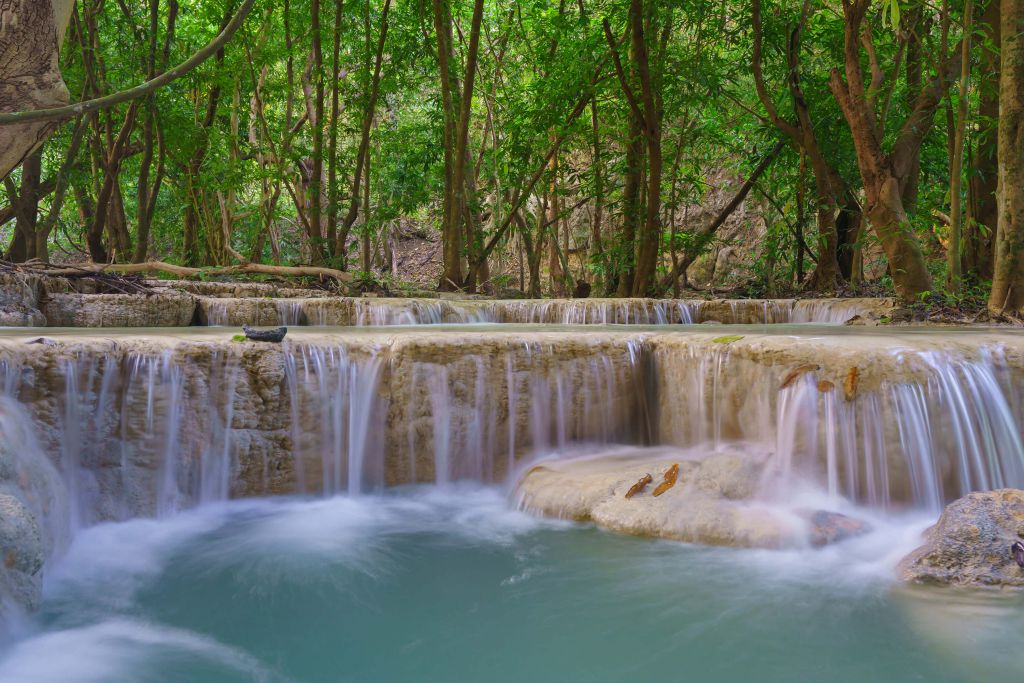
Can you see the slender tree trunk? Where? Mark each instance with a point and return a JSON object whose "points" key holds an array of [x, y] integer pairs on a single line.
{"points": [[337, 248], [26, 207], [982, 211], [317, 126], [451, 235], [1007, 295], [626, 257], [953, 254]]}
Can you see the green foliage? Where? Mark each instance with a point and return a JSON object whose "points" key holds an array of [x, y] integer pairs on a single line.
{"points": [[232, 142]]}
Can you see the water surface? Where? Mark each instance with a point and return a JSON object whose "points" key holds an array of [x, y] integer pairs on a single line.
{"points": [[431, 584]]}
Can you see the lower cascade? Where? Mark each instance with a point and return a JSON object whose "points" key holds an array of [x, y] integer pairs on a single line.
{"points": [[338, 446]]}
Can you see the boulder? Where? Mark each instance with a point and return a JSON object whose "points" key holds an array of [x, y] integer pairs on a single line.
{"points": [[21, 555], [970, 544]]}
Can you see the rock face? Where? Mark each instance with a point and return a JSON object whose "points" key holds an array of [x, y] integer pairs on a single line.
{"points": [[32, 510], [168, 309], [970, 544], [19, 301], [21, 554], [713, 502]]}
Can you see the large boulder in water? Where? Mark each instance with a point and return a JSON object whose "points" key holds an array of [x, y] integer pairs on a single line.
{"points": [[714, 501], [970, 544], [21, 555]]}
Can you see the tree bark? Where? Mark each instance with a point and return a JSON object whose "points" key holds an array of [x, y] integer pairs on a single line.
{"points": [[31, 33], [882, 173], [1007, 295], [954, 275], [982, 212]]}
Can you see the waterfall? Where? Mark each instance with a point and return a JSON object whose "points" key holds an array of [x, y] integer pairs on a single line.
{"points": [[150, 425], [366, 312]]}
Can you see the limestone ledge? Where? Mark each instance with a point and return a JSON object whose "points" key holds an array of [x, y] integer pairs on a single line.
{"points": [[56, 302], [486, 398], [714, 501], [118, 310]]}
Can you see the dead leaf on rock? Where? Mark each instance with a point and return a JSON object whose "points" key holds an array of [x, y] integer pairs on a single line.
{"points": [[850, 383], [824, 386], [639, 486], [797, 373], [669, 480]]}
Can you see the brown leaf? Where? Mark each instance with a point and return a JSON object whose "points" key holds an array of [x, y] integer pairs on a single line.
{"points": [[669, 480], [796, 373], [824, 386], [662, 487], [850, 383], [639, 486]]}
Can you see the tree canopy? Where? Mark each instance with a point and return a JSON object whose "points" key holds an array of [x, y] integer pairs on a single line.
{"points": [[621, 148]]}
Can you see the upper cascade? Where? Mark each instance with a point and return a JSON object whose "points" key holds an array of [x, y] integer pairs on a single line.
{"points": [[147, 425]]}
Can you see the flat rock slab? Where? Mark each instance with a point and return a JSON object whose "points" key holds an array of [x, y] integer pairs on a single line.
{"points": [[970, 544], [713, 502], [168, 309]]}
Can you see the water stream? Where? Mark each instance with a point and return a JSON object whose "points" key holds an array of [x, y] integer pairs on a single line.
{"points": [[337, 508]]}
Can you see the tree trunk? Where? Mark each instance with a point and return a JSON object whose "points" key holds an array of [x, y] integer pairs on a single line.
{"points": [[1007, 295], [626, 247], [982, 211], [954, 276], [31, 32]]}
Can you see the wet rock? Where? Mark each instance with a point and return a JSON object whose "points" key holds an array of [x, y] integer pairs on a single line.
{"points": [[971, 543], [21, 554], [728, 476], [832, 527], [21, 547], [275, 335], [695, 510]]}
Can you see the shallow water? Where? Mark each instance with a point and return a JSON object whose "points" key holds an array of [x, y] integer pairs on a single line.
{"points": [[431, 584]]}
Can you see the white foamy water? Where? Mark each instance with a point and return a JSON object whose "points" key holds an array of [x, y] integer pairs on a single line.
{"points": [[451, 583]]}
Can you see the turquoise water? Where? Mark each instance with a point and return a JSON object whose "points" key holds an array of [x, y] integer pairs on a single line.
{"points": [[452, 585]]}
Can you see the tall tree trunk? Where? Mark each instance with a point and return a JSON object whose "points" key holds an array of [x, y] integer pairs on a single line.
{"points": [[337, 248], [451, 235], [626, 247], [982, 211], [954, 276], [1007, 295], [650, 237], [25, 201], [884, 174], [550, 220], [31, 33], [317, 129]]}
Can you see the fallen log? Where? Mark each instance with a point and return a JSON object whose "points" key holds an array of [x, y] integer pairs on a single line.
{"points": [[189, 272]]}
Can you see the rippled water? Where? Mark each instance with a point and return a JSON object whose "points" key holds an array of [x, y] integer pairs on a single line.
{"points": [[452, 585]]}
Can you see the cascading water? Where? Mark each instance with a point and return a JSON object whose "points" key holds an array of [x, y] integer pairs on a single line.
{"points": [[340, 311], [126, 426], [150, 429]]}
